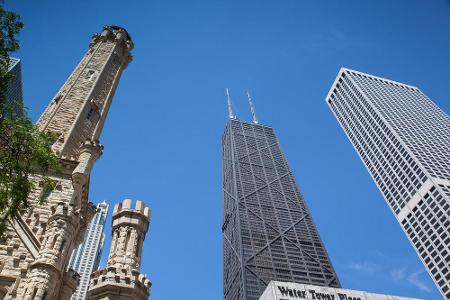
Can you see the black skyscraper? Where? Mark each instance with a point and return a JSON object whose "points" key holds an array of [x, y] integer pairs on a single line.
{"points": [[14, 89], [268, 232]]}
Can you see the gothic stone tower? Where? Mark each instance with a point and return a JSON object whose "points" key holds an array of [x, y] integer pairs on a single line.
{"points": [[35, 253], [121, 279]]}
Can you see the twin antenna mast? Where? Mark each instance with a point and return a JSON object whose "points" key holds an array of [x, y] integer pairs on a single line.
{"points": [[230, 109], [250, 102]]}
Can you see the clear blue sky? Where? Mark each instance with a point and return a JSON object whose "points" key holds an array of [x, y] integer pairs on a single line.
{"points": [[163, 133]]}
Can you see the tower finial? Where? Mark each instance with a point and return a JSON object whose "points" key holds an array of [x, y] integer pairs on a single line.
{"points": [[230, 109], [252, 108]]}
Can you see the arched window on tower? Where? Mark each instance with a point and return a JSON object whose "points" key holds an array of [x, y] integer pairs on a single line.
{"points": [[55, 238], [114, 241], [61, 248], [138, 245], [127, 240]]}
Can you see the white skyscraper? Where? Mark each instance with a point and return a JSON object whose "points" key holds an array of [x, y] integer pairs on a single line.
{"points": [[86, 258], [403, 139]]}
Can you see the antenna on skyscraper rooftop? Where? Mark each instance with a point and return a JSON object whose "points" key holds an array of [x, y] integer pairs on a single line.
{"points": [[252, 108], [230, 109]]}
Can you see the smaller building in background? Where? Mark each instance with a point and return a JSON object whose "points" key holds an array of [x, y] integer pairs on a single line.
{"points": [[14, 91], [86, 258], [277, 290]]}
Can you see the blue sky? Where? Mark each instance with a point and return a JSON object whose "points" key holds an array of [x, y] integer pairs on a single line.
{"points": [[162, 137]]}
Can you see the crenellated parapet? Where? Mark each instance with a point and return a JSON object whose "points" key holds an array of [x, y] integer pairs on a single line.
{"points": [[112, 280], [113, 33], [62, 210], [121, 279]]}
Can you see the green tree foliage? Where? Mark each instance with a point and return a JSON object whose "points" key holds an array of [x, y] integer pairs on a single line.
{"points": [[24, 150]]}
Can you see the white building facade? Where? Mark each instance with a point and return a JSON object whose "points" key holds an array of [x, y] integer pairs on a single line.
{"points": [[403, 139], [277, 290], [86, 258]]}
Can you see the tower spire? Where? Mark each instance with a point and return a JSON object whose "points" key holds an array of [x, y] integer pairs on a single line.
{"points": [[230, 109], [252, 108]]}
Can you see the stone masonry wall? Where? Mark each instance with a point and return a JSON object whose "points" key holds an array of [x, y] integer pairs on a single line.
{"points": [[76, 110], [35, 251]]}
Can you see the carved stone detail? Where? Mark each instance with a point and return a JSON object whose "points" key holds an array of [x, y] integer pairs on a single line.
{"points": [[37, 245]]}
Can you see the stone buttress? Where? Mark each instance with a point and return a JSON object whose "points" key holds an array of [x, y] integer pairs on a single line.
{"points": [[36, 249], [121, 279]]}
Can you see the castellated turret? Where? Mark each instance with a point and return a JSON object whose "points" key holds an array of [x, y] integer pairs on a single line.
{"points": [[121, 279]]}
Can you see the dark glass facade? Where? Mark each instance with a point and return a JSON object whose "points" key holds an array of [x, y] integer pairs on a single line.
{"points": [[14, 89], [268, 232]]}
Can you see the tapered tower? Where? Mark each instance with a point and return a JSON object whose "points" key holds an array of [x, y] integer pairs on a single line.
{"points": [[268, 231], [77, 112], [121, 279], [35, 253]]}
